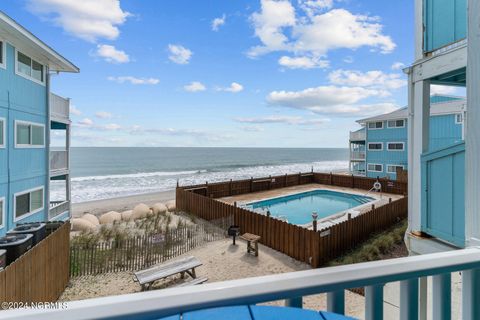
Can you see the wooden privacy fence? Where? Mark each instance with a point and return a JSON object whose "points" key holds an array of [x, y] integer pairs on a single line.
{"points": [[140, 252], [302, 244], [41, 274], [232, 188]]}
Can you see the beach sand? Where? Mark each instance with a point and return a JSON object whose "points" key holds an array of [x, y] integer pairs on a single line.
{"points": [[221, 261], [99, 207]]}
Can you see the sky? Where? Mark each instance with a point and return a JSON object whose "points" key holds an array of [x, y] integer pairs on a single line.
{"points": [[225, 73]]}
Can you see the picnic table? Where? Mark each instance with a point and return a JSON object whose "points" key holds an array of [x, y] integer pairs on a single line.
{"points": [[251, 239], [181, 266], [258, 313]]}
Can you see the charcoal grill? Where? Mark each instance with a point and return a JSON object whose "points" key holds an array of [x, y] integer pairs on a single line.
{"points": [[234, 231]]}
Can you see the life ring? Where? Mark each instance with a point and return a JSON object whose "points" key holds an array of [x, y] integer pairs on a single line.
{"points": [[377, 185]]}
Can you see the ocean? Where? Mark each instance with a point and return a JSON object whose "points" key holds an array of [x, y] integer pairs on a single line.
{"points": [[103, 173]]}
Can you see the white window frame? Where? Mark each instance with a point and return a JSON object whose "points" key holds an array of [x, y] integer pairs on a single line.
{"points": [[3, 64], [3, 206], [395, 165], [388, 126], [456, 118], [4, 142], [380, 143], [396, 142], [28, 146], [374, 164], [26, 76], [368, 125], [26, 215]]}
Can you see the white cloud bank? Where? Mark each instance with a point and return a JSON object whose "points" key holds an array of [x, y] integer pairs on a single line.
{"points": [[134, 80], [291, 120], [372, 79], [195, 86], [179, 54], [234, 87], [110, 54]]}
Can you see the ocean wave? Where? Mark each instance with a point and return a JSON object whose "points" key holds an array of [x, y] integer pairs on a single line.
{"points": [[137, 175]]}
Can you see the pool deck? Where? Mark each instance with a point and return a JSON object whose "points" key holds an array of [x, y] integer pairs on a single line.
{"points": [[380, 200]]}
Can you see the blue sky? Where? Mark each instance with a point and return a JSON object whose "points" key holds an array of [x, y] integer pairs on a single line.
{"points": [[250, 73]]}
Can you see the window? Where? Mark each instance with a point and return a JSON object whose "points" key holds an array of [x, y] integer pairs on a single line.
{"points": [[28, 202], [459, 118], [392, 168], [29, 135], [2, 132], [373, 167], [29, 68], [2, 212], [396, 124], [395, 146], [375, 146], [3, 54], [375, 125]]}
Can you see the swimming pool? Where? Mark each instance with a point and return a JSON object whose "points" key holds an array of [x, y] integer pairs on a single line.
{"points": [[298, 208]]}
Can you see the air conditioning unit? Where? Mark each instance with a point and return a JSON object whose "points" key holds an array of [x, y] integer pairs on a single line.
{"points": [[37, 229], [16, 245]]}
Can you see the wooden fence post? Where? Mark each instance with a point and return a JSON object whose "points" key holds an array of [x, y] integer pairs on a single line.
{"points": [[230, 188], [251, 184]]}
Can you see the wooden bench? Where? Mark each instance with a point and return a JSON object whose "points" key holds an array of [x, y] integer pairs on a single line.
{"points": [[185, 265], [252, 242], [192, 282]]}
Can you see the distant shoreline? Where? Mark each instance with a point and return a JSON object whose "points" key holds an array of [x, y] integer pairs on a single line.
{"points": [[98, 207]]}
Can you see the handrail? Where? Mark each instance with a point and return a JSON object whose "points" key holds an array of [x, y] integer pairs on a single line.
{"points": [[161, 303]]}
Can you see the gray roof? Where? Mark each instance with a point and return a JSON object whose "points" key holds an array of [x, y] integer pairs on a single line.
{"points": [[436, 109]]}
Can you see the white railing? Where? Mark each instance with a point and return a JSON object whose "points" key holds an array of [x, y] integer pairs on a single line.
{"points": [[59, 107], [357, 155], [57, 208], [58, 160], [358, 135], [293, 286]]}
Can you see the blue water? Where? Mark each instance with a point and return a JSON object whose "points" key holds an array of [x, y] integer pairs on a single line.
{"points": [[298, 208], [102, 173]]}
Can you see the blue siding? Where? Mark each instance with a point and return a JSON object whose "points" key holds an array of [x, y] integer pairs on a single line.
{"points": [[443, 198], [21, 169], [445, 22], [444, 132]]}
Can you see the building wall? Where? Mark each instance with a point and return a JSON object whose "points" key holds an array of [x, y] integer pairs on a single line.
{"points": [[444, 131], [21, 169]]}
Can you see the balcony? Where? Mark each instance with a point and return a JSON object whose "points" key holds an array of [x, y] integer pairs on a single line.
{"points": [[59, 108], [58, 162], [357, 156], [373, 276], [57, 208], [358, 135]]}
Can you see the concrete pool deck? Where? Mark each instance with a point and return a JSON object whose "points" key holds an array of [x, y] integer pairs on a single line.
{"points": [[380, 199]]}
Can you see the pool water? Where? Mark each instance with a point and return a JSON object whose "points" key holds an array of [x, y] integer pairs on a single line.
{"points": [[298, 208]]}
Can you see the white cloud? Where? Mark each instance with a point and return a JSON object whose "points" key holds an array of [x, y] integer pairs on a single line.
{"points": [[179, 54], [74, 110], [195, 86], [86, 122], [349, 59], [312, 7], [134, 80], [112, 126], [317, 33], [252, 128], [372, 79], [446, 90], [111, 54], [303, 62], [398, 66], [218, 22], [292, 120], [331, 100], [86, 19], [234, 88], [103, 115]]}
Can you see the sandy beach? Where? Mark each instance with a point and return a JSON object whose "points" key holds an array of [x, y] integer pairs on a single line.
{"points": [[99, 207]]}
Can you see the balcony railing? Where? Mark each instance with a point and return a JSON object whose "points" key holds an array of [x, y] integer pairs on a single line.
{"points": [[58, 161], [357, 135], [293, 286], [59, 108], [357, 155], [57, 208]]}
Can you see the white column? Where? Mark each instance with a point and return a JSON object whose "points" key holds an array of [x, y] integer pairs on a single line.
{"points": [[418, 137], [472, 130], [418, 29]]}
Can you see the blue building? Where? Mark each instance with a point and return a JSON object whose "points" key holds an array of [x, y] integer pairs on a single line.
{"points": [[29, 113], [380, 147]]}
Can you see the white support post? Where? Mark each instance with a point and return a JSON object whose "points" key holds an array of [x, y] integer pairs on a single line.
{"points": [[471, 294], [409, 299], [374, 302], [472, 134], [418, 138], [68, 177], [418, 29], [336, 302], [442, 297]]}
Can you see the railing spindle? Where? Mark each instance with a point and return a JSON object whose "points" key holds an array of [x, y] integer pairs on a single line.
{"points": [[409, 299], [336, 302], [471, 294], [441, 296], [374, 302]]}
